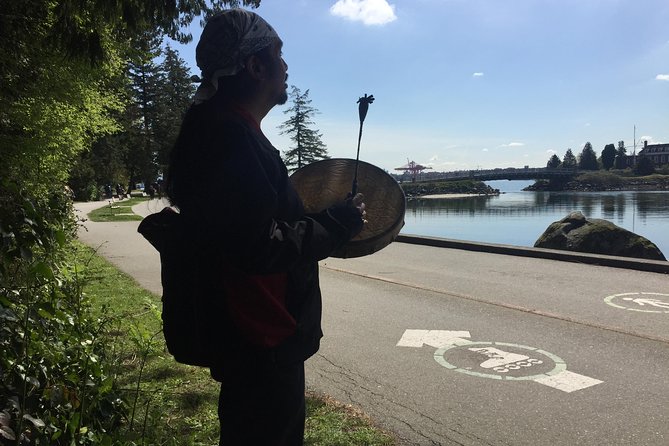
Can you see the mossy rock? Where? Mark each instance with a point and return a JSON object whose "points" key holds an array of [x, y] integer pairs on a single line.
{"points": [[575, 232]]}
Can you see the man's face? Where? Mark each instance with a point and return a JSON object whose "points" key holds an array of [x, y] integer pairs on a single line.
{"points": [[279, 74]]}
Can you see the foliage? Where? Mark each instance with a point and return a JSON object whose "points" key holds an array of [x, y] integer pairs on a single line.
{"points": [[448, 187], [608, 156], [143, 113], [587, 159], [176, 93], [620, 161], [644, 166], [61, 90], [606, 180], [600, 180], [55, 387], [158, 94], [554, 162], [308, 146], [569, 160]]}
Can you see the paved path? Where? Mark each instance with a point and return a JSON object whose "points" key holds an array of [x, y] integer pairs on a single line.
{"points": [[452, 347]]}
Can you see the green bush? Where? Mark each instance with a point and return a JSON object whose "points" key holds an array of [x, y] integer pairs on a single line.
{"points": [[55, 385], [601, 179]]}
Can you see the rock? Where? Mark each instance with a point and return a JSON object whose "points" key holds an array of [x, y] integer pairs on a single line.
{"points": [[575, 232]]}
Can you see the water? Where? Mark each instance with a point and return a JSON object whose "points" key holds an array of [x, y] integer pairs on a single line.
{"points": [[519, 218]]}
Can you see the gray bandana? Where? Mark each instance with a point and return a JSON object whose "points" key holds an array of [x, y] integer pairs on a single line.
{"points": [[228, 39]]}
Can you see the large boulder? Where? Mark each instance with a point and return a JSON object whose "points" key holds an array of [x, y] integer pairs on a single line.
{"points": [[575, 232]]}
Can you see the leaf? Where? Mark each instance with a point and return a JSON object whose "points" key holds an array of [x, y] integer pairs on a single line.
{"points": [[44, 313], [8, 433], [26, 253], [39, 424], [32, 381], [60, 238], [43, 270], [74, 423]]}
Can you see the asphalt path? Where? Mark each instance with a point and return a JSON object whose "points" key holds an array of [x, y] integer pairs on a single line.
{"points": [[452, 347]]}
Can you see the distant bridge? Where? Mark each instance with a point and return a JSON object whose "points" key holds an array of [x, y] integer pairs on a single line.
{"points": [[526, 173]]}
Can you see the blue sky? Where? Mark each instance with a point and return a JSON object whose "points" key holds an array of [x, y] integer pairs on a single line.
{"points": [[466, 84]]}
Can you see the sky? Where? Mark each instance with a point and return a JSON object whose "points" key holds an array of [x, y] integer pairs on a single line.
{"points": [[473, 84]]}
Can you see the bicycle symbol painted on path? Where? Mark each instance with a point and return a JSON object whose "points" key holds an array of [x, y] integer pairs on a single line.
{"points": [[641, 302], [497, 360]]}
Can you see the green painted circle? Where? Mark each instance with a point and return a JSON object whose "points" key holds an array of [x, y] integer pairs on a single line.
{"points": [[609, 301], [560, 365]]}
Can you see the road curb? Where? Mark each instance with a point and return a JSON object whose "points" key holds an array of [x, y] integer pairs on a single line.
{"points": [[655, 266]]}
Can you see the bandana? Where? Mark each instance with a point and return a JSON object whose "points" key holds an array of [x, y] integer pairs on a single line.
{"points": [[229, 38]]}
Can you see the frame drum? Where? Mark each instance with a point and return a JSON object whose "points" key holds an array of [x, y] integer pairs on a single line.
{"points": [[328, 182]]}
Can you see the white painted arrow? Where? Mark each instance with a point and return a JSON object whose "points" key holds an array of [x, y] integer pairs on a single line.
{"points": [[433, 338], [565, 380]]}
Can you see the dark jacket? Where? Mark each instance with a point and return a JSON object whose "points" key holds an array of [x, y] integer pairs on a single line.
{"points": [[242, 248]]}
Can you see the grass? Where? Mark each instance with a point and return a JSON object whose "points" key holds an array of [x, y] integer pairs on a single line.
{"points": [[175, 404], [117, 211]]}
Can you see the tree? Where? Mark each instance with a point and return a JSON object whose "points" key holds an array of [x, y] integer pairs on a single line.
{"points": [[569, 160], [62, 69], [644, 166], [554, 162], [308, 146], [608, 156], [587, 159], [621, 156], [176, 95], [143, 112]]}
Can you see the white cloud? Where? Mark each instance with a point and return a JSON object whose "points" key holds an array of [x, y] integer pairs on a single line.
{"points": [[369, 12], [513, 144], [551, 152], [478, 74], [484, 150], [662, 77]]}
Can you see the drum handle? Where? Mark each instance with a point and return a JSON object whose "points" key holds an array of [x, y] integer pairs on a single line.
{"points": [[362, 113]]}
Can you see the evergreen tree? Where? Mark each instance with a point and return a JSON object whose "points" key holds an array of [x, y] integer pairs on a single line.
{"points": [[176, 95], [554, 162], [621, 156], [608, 156], [569, 160], [144, 110], [308, 146], [587, 159]]}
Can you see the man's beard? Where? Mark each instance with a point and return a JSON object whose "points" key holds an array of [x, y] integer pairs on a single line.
{"points": [[283, 98]]}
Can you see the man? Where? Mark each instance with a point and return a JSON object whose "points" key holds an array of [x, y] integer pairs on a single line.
{"points": [[248, 255]]}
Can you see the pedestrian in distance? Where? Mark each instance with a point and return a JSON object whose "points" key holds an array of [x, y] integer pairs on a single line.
{"points": [[241, 252]]}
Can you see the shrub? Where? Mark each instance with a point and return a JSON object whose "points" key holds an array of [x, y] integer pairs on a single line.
{"points": [[55, 387]]}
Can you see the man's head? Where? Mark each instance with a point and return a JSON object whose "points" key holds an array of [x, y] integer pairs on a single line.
{"points": [[240, 50]]}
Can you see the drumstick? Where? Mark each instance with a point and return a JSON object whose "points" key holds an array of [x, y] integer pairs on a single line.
{"points": [[362, 112]]}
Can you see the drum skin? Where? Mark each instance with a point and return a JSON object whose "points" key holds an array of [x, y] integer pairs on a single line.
{"points": [[328, 182]]}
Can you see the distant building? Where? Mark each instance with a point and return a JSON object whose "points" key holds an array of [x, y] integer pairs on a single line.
{"points": [[659, 153]]}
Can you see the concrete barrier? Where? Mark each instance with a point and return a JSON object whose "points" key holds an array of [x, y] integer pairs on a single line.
{"points": [[655, 266]]}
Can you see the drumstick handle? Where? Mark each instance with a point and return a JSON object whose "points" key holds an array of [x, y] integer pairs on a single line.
{"points": [[354, 188], [362, 113]]}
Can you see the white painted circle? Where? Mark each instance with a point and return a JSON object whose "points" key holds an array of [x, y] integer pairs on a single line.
{"points": [[641, 302], [504, 361]]}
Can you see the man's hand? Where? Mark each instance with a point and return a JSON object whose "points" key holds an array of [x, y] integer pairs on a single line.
{"points": [[357, 203], [350, 214]]}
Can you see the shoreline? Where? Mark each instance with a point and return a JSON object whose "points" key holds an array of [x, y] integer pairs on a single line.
{"points": [[450, 196]]}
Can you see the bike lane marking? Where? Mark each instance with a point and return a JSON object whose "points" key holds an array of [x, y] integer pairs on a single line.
{"points": [[641, 302], [497, 360]]}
